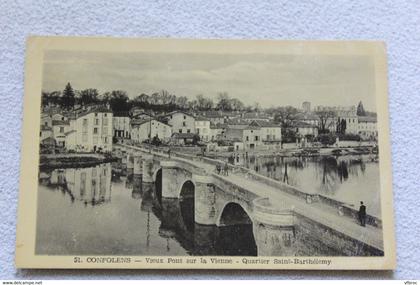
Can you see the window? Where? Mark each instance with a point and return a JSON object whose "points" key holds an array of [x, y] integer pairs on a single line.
{"points": [[185, 117], [180, 130], [268, 137], [247, 138], [85, 122], [61, 129], [96, 114], [188, 131], [96, 121], [184, 124], [95, 130], [46, 124], [256, 138], [105, 115], [105, 121]]}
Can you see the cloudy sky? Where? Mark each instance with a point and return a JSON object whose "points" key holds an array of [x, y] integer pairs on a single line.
{"points": [[267, 79]]}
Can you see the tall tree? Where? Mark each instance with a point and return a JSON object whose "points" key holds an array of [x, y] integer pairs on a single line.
{"points": [[285, 116], [68, 98], [182, 102], [326, 120], [223, 103], [360, 109], [236, 104], [89, 96], [119, 102]]}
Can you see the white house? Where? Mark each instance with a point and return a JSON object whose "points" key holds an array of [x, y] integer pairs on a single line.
{"points": [[270, 132], [303, 129], [59, 128], [249, 135], [92, 130], [45, 132], [181, 122], [202, 128], [121, 125], [142, 129], [367, 127]]}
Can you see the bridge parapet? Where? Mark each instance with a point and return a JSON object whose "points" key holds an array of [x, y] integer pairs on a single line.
{"points": [[274, 228]]}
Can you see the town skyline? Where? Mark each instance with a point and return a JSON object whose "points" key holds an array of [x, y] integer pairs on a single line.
{"points": [[347, 80]]}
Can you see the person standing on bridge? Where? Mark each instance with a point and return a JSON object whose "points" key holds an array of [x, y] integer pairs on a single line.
{"points": [[169, 152], [362, 214], [226, 169], [218, 168]]}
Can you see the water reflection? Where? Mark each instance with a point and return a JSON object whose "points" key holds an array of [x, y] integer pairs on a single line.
{"points": [[348, 178], [91, 185], [136, 221]]}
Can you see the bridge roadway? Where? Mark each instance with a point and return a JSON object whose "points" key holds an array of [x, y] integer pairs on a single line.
{"points": [[319, 212]]}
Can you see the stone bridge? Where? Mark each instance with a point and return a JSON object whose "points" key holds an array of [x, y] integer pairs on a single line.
{"points": [[285, 221]]}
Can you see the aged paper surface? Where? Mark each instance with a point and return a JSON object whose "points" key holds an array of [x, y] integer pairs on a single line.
{"points": [[205, 154]]}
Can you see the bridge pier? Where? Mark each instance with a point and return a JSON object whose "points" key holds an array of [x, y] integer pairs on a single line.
{"points": [[170, 185], [274, 229], [130, 163], [147, 168], [137, 165], [204, 200]]}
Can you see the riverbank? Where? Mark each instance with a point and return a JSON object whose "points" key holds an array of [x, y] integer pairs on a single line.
{"points": [[73, 160], [299, 152]]}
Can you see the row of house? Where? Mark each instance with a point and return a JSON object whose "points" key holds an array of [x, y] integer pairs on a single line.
{"points": [[87, 129], [92, 128]]}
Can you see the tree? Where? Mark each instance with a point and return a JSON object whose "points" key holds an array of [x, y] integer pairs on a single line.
{"points": [[155, 99], [326, 120], [257, 107], [182, 102], [223, 103], [360, 109], [236, 104], [164, 97], [327, 139], [119, 101], [142, 98], [89, 96], [68, 98], [285, 116], [343, 126]]}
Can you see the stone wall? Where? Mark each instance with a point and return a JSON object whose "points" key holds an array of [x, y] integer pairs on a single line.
{"points": [[313, 238]]}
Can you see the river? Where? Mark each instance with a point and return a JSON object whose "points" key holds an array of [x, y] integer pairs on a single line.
{"points": [[94, 211], [349, 179], [88, 211]]}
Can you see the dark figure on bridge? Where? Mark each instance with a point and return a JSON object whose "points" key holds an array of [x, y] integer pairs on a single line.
{"points": [[362, 214], [169, 152], [226, 170], [218, 168]]}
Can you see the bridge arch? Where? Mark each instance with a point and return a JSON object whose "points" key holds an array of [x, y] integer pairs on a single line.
{"points": [[233, 213], [155, 173], [157, 178], [236, 237], [187, 204]]}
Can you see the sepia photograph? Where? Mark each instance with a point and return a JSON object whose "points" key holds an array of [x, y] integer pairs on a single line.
{"points": [[205, 154]]}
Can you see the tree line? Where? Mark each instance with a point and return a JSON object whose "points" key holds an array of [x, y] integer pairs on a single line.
{"points": [[120, 102]]}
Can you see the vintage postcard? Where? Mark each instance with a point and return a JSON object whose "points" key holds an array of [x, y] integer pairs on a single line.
{"points": [[209, 154]]}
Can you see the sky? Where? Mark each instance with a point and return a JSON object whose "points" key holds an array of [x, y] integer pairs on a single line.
{"points": [[269, 79]]}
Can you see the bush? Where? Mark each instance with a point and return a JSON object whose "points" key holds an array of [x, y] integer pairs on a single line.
{"points": [[327, 139], [288, 136]]}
